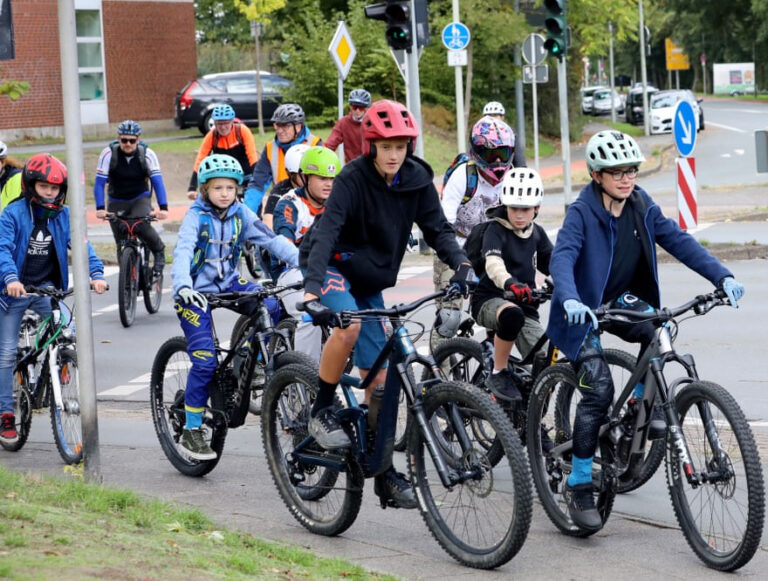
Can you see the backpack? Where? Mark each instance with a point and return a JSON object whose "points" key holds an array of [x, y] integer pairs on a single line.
{"points": [[236, 127], [471, 187], [141, 151], [474, 247]]}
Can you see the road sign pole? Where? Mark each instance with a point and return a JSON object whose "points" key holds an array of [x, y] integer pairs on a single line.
{"points": [[565, 139], [461, 129], [643, 72], [613, 88], [687, 214], [340, 149], [413, 85], [535, 105]]}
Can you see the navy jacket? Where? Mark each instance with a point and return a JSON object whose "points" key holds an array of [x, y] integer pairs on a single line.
{"points": [[581, 260]]}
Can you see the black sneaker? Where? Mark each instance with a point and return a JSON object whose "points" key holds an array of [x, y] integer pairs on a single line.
{"points": [[395, 490], [657, 428], [503, 386], [194, 445], [581, 506], [326, 431], [8, 433]]}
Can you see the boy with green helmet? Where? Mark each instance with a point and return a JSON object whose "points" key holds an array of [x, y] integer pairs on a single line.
{"points": [[606, 253]]}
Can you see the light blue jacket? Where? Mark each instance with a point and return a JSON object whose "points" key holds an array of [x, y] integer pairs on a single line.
{"points": [[217, 273]]}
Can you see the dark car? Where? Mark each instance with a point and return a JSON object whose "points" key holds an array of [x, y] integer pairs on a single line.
{"points": [[195, 102], [633, 112]]}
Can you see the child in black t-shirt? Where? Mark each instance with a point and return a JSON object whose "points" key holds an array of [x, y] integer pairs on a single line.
{"points": [[514, 248]]}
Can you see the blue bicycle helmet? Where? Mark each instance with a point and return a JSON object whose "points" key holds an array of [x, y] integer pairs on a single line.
{"points": [[129, 127], [360, 97], [223, 113], [219, 165]]}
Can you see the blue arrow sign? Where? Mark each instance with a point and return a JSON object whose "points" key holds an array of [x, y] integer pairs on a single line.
{"points": [[456, 36], [684, 128]]}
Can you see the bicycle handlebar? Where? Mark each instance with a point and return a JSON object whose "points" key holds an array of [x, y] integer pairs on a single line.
{"points": [[700, 305], [539, 296], [112, 217], [235, 298]]}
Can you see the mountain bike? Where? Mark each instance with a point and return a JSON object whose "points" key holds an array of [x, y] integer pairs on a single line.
{"points": [[256, 347], [46, 376], [137, 274], [713, 470], [480, 514]]}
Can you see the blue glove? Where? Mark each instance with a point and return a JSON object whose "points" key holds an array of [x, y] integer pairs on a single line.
{"points": [[193, 298], [733, 289], [577, 312]]}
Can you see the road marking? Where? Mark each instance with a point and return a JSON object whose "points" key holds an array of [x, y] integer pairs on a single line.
{"points": [[122, 390], [728, 127]]}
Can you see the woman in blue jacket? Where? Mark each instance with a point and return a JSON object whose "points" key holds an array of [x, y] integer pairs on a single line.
{"points": [[588, 270], [33, 251]]}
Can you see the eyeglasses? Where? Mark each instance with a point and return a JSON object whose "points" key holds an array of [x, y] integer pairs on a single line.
{"points": [[282, 126], [496, 155], [126, 140], [619, 174]]}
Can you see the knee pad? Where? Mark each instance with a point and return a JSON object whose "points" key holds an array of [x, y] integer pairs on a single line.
{"points": [[510, 321], [447, 323]]}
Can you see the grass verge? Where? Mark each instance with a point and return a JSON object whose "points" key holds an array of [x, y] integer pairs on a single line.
{"points": [[67, 529]]}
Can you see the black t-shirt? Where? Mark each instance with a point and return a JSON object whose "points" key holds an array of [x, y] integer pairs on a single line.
{"points": [[627, 253], [278, 191], [40, 264]]}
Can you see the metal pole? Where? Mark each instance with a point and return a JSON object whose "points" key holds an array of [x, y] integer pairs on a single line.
{"points": [[610, 59], [644, 76], [340, 149], [413, 77], [461, 129], [74, 140], [677, 80], [535, 105], [565, 140], [519, 100]]}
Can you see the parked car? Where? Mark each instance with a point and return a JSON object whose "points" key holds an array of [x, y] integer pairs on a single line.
{"points": [[663, 106], [195, 102], [601, 102], [696, 101], [586, 98], [633, 111]]}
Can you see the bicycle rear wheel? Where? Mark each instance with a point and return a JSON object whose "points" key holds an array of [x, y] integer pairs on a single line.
{"points": [[22, 410], [483, 520], [548, 414], [722, 518], [128, 285], [152, 286], [170, 370], [67, 422], [324, 500]]}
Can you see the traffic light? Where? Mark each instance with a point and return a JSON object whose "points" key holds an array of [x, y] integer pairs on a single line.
{"points": [[557, 28], [397, 15]]}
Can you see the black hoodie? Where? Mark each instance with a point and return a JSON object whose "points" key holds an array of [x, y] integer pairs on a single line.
{"points": [[366, 224]]}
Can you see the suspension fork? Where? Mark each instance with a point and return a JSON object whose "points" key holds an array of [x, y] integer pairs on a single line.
{"points": [[53, 371]]}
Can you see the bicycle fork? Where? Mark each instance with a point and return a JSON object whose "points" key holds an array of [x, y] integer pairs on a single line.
{"points": [[53, 370]]}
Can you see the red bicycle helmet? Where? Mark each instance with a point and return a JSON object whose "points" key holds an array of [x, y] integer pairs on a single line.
{"points": [[43, 167], [387, 120]]}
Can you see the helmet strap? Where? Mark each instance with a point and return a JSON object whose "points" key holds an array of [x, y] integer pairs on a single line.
{"points": [[310, 195]]}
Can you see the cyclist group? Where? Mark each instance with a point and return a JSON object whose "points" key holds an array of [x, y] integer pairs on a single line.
{"points": [[347, 229]]}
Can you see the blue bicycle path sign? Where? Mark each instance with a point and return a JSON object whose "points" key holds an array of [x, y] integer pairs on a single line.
{"points": [[684, 128], [456, 36]]}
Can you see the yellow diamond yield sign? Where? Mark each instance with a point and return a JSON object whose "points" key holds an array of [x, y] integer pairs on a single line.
{"points": [[342, 49]]}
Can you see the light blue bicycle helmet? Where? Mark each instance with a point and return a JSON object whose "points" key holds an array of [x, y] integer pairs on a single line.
{"points": [[360, 97], [223, 113], [219, 165], [129, 127]]}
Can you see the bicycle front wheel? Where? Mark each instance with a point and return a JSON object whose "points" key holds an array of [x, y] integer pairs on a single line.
{"points": [[483, 519], [22, 410], [152, 287], [66, 420], [166, 393], [128, 285], [722, 517], [324, 500]]}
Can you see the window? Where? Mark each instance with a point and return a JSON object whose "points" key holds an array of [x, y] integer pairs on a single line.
{"points": [[90, 58]]}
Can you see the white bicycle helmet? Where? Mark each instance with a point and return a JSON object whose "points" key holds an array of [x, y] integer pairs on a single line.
{"points": [[293, 157], [608, 149], [3, 150], [522, 188], [494, 108]]}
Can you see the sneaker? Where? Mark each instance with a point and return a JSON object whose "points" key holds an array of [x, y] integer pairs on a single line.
{"points": [[502, 385], [194, 445], [581, 506], [547, 445], [325, 429], [657, 428], [394, 490], [8, 433]]}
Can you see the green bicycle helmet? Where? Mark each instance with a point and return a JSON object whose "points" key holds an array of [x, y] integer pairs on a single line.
{"points": [[608, 149], [320, 161], [219, 166]]}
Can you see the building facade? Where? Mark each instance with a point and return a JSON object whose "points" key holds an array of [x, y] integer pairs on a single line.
{"points": [[133, 57]]}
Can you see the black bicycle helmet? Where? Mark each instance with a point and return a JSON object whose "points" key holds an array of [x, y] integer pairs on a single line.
{"points": [[288, 113]]}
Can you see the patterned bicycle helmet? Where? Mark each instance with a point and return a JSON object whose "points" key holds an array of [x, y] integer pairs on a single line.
{"points": [[387, 120], [3, 150], [494, 108], [492, 147], [608, 149], [219, 165], [360, 97], [293, 157], [43, 167], [522, 188], [223, 113], [288, 113], [129, 127], [320, 161]]}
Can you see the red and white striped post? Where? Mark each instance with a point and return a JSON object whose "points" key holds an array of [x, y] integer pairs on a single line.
{"points": [[686, 192]]}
